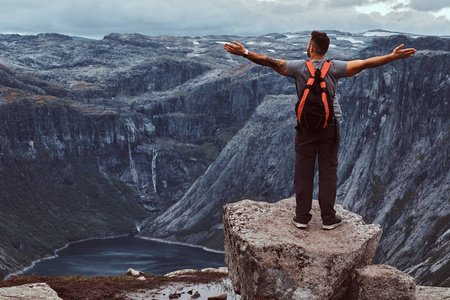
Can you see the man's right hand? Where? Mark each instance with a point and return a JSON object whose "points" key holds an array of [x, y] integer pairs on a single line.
{"points": [[278, 65], [235, 48]]}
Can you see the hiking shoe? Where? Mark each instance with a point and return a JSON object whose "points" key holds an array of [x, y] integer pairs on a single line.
{"points": [[298, 224], [337, 222]]}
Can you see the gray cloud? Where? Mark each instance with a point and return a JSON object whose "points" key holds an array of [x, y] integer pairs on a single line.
{"points": [[349, 3], [96, 18], [427, 5]]}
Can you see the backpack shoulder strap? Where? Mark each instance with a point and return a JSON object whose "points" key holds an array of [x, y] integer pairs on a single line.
{"points": [[325, 68], [311, 69]]}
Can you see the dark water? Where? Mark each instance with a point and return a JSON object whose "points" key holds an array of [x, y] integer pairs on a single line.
{"points": [[115, 256]]}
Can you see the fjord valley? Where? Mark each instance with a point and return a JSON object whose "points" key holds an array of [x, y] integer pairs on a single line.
{"points": [[152, 135]]}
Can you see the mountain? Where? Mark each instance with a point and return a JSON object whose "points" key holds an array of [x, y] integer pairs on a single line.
{"points": [[179, 127]]}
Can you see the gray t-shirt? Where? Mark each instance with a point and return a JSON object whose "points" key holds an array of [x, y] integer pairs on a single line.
{"points": [[298, 70]]}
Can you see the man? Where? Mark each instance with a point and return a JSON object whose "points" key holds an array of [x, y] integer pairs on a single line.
{"points": [[324, 142]]}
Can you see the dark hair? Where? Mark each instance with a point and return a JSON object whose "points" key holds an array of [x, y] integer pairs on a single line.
{"points": [[320, 41]]}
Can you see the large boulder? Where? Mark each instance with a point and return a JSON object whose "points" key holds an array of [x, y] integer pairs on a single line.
{"points": [[269, 258], [382, 282]]}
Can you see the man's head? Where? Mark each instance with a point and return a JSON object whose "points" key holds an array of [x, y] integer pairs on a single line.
{"points": [[320, 42]]}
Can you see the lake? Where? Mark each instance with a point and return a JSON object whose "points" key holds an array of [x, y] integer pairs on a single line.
{"points": [[114, 256]]}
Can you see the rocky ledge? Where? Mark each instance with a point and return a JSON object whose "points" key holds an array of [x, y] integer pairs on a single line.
{"points": [[269, 258], [181, 284], [209, 283]]}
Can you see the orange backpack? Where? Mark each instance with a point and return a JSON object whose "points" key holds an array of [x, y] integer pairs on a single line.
{"points": [[315, 106]]}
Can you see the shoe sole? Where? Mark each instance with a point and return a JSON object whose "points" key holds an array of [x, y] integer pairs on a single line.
{"points": [[299, 225], [330, 227]]}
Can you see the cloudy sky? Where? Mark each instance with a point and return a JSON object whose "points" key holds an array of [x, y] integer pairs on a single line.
{"points": [[97, 18]]}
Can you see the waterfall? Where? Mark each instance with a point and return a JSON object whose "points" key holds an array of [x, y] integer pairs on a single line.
{"points": [[131, 129], [155, 155]]}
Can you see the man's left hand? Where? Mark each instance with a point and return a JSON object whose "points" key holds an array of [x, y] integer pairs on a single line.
{"points": [[400, 53]]}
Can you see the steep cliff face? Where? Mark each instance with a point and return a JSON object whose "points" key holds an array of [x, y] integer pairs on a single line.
{"points": [[184, 127], [50, 194], [394, 163]]}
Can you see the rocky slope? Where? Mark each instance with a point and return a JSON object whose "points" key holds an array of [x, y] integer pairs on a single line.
{"points": [[177, 123]]}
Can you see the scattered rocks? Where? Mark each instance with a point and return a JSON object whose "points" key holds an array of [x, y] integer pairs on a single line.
{"points": [[135, 273], [382, 282], [196, 295], [180, 272], [175, 296], [219, 297], [269, 257], [221, 270], [193, 288], [178, 295], [35, 291]]}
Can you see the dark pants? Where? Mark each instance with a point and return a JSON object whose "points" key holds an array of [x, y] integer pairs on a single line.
{"points": [[309, 144]]}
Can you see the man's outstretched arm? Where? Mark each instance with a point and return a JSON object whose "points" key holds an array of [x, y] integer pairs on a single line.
{"points": [[279, 65], [356, 66]]}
